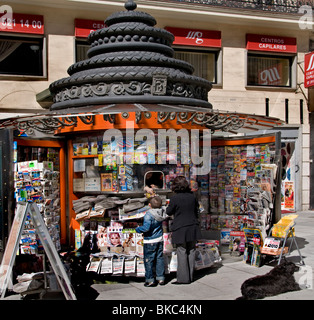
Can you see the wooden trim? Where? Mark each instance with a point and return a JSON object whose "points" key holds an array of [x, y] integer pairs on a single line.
{"points": [[215, 143], [82, 156], [73, 224], [63, 200], [40, 143]]}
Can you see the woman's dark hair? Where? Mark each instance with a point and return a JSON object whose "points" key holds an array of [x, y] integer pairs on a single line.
{"points": [[180, 184]]}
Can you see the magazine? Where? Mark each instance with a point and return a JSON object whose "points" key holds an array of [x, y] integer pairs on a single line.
{"points": [[117, 265], [237, 242], [93, 265], [129, 265], [167, 242], [225, 236], [106, 182], [106, 265], [114, 237], [140, 268], [139, 243], [129, 242]]}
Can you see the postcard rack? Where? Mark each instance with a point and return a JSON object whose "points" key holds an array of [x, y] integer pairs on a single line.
{"points": [[275, 243]]}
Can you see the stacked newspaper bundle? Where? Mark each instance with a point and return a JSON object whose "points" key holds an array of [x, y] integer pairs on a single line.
{"points": [[89, 206]]}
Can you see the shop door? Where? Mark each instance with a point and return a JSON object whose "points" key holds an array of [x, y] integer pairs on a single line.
{"points": [[290, 174]]}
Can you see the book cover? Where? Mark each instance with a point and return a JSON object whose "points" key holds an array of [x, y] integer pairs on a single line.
{"points": [[106, 182]]}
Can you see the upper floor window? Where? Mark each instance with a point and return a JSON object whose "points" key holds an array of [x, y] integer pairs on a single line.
{"points": [[200, 48], [22, 56], [271, 61], [204, 62], [81, 48]]}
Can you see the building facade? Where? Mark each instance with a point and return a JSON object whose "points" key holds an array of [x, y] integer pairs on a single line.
{"points": [[252, 52]]}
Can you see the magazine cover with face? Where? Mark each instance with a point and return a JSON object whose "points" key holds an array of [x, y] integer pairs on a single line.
{"points": [[102, 236], [115, 239], [129, 242]]}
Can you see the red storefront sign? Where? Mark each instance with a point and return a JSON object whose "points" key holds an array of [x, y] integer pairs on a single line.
{"points": [[22, 23], [259, 42], [84, 27], [196, 37], [309, 70]]}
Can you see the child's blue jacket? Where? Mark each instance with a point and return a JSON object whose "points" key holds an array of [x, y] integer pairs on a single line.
{"points": [[152, 224]]}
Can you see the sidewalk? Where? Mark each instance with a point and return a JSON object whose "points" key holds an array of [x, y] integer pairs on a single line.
{"points": [[223, 281], [220, 282]]}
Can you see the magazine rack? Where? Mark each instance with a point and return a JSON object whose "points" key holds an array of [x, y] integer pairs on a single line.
{"points": [[271, 247], [23, 210]]}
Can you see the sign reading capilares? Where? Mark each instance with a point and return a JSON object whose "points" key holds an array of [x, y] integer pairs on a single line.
{"points": [[194, 146]]}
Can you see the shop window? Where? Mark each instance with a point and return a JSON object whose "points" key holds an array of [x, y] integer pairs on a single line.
{"points": [[270, 71], [22, 56], [204, 62]]}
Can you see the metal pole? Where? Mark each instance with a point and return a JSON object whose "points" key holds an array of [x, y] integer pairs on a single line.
{"points": [[267, 107], [287, 110]]}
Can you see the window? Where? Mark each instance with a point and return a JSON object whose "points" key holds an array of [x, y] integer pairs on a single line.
{"points": [[204, 62], [81, 48], [22, 56], [267, 70]]}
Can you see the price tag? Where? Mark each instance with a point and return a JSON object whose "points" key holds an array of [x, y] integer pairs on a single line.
{"points": [[272, 243]]}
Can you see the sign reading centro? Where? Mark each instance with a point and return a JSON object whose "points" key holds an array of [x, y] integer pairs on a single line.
{"points": [[84, 27], [259, 42]]}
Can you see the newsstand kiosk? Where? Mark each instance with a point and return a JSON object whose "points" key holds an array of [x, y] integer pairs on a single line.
{"points": [[130, 116]]}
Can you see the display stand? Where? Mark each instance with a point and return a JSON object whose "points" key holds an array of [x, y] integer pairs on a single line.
{"points": [[276, 246], [253, 241], [23, 210]]}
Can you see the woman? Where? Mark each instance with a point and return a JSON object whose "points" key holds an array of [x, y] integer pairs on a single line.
{"points": [[185, 230]]}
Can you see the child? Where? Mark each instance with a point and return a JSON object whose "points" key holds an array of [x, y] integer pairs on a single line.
{"points": [[153, 242]]}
